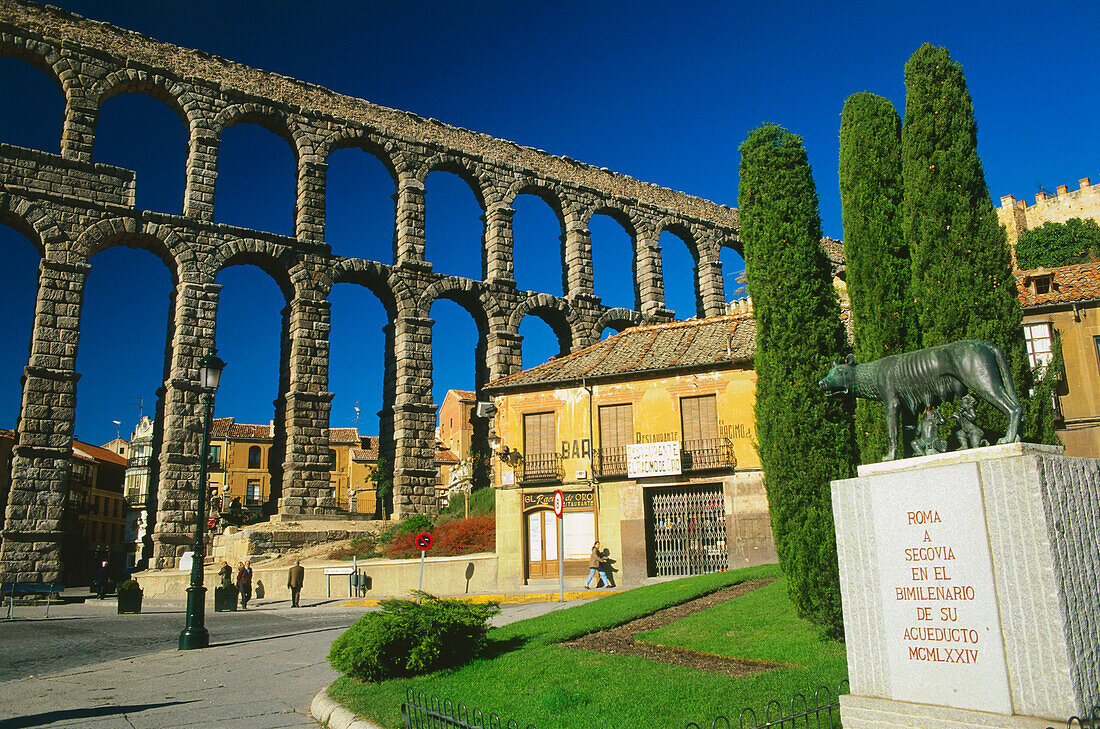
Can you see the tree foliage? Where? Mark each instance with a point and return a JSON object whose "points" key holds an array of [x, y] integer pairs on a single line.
{"points": [[1059, 244], [962, 285], [874, 249], [804, 440]]}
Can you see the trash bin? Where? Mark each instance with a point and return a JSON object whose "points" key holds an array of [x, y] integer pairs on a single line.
{"points": [[225, 599]]}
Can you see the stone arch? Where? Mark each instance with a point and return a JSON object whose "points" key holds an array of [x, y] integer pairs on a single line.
{"points": [[460, 166], [393, 159], [45, 58], [125, 231], [393, 292], [32, 221], [464, 292], [542, 190], [631, 224], [617, 318], [552, 310], [135, 81], [684, 232], [273, 259], [271, 119]]}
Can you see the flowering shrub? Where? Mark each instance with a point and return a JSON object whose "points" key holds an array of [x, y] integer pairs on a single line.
{"points": [[402, 546], [465, 536]]}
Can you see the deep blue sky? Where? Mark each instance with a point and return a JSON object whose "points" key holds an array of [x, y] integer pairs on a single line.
{"points": [[663, 92]]}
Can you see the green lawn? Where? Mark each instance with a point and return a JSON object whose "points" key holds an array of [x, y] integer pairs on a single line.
{"points": [[526, 677]]}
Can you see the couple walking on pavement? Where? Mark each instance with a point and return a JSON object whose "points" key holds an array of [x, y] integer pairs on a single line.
{"points": [[599, 566], [243, 580]]}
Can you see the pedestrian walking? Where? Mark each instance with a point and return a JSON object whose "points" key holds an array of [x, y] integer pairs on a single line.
{"points": [[226, 574], [101, 580], [294, 580], [596, 565], [244, 582]]}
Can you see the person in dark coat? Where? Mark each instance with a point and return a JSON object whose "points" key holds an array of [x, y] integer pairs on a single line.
{"points": [[226, 574], [244, 583], [101, 580], [294, 580]]}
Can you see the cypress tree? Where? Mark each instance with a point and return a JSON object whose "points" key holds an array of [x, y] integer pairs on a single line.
{"points": [[804, 440], [874, 249], [962, 285]]}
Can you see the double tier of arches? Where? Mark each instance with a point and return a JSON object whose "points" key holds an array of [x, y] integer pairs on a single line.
{"points": [[94, 208]]}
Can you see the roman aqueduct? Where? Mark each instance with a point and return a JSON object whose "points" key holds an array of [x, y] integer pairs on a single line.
{"points": [[71, 207]]}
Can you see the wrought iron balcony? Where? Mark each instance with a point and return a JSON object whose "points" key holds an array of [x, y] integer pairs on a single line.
{"points": [[611, 461], [699, 455], [542, 467]]}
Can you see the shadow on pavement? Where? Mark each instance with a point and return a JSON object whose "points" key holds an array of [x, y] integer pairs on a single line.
{"points": [[219, 644], [49, 717]]}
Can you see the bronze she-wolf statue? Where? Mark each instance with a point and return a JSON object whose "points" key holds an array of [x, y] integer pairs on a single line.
{"points": [[925, 378]]}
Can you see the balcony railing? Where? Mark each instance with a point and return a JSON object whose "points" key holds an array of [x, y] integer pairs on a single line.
{"points": [[542, 467], [698, 455], [611, 461]]}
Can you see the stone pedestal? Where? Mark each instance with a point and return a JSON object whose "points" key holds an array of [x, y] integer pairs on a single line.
{"points": [[971, 588]]}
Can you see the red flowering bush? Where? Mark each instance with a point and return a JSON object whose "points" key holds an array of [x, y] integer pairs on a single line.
{"points": [[402, 546], [466, 536], [462, 536]]}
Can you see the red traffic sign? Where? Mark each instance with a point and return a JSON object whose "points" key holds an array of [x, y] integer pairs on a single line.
{"points": [[423, 541], [559, 503], [211, 522]]}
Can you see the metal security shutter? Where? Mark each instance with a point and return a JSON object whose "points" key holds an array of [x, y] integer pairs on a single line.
{"points": [[699, 416], [686, 531], [539, 433]]}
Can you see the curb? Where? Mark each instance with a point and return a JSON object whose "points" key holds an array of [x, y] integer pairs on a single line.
{"points": [[330, 713], [513, 599]]}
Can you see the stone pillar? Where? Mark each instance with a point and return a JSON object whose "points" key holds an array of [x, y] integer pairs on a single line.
{"points": [[309, 223], [78, 133], [969, 588], [578, 261], [202, 175], [499, 246], [33, 527], [408, 248], [196, 310], [504, 353], [307, 488], [711, 291], [414, 419], [650, 280]]}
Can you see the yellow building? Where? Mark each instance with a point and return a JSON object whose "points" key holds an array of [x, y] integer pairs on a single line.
{"points": [[240, 467], [1066, 300], [649, 435], [95, 513]]}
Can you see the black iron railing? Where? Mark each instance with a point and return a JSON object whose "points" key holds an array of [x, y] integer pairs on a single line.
{"points": [[1089, 721], [420, 711], [542, 467], [611, 461], [696, 455], [824, 713]]}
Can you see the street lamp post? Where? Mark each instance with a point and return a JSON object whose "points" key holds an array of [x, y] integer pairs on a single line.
{"points": [[194, 634]]}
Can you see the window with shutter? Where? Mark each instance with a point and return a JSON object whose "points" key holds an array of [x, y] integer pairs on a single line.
{"points": [[616, 433], [540, 458], [699, 416]]}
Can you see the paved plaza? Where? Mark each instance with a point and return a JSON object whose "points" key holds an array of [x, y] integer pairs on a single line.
{"points": [[86, 666]]}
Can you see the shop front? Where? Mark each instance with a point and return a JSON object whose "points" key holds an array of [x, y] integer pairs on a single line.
{"points": [[540, 531]]}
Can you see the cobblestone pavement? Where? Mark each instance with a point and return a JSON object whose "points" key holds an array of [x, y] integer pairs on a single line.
{"points": [[86, 666]]}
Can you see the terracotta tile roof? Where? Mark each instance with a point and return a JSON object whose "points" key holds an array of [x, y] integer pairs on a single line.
{"points": [[343, 435], [659, 347], [1069, 284], [95, 453], [229, 428], [446, 456], [463, 394], [366, 454]]}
